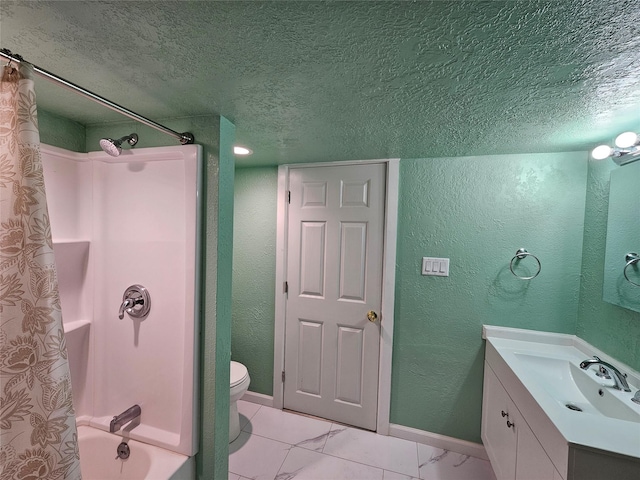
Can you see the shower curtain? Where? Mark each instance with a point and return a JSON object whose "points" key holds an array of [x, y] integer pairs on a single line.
{"points": [[37, 422]]}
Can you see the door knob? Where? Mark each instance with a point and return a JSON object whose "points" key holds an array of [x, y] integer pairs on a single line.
{"points": [[372, 316]]}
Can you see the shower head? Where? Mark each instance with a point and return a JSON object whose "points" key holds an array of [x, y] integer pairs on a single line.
{"points": [[114, 147]]}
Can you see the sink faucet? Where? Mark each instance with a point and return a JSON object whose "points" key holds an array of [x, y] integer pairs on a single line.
{"points": [[128, 415], [618, 377]]}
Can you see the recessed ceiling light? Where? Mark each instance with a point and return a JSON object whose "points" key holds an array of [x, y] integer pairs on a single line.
{"points": [[242, 150]]}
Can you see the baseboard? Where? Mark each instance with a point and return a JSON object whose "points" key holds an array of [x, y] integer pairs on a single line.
{"points": [[439, 441], [259, 398]]}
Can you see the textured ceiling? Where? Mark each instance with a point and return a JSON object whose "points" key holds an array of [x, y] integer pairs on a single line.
{"points": [[318, 81]]}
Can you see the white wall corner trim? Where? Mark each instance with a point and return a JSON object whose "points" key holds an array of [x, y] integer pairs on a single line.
{"points": [[388, 295], [436, 440], [281, 271]]}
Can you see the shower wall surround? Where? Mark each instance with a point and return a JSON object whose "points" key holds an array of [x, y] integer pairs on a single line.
{"points": [[118, 222]]}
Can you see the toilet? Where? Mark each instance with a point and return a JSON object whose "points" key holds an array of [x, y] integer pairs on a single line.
{"points": [[239, 385]]}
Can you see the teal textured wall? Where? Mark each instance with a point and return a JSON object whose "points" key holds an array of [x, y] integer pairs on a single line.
{"points": [[613, 329], [61, 132], [254, 270], [213, 458], [478, 211], [204, 128]]}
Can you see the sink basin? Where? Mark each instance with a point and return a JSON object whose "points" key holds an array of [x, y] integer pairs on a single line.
{"points": [[580, 391], [568, 409]]}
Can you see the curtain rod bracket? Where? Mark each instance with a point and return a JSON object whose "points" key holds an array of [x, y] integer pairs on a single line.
{"points": [[187, 138]]}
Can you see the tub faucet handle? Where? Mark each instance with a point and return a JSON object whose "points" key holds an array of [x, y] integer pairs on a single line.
{"points": [[128, 303], [135, 301]]}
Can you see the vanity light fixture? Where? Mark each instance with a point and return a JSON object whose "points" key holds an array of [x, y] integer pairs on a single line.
{"points": [[627, 149], [238, 150]]}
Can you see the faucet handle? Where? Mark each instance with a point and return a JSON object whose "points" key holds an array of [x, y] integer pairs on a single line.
{"points": [[126, 305], [135, 301]]}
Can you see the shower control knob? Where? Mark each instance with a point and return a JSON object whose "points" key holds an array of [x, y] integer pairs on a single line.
{"points": [[136, 302]]}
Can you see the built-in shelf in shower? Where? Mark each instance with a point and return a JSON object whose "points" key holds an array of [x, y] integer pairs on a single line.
{"points": [[69, 241], [72, 266], [70, 327], [77, 337]]}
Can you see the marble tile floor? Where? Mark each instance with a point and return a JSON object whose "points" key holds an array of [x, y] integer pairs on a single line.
{"points": [[281, 445]]}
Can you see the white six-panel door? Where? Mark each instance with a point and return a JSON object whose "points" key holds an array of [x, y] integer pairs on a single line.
{"points": [[334, 277]]}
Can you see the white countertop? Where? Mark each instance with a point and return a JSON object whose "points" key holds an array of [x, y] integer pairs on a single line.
{"points": [[580, 428]]}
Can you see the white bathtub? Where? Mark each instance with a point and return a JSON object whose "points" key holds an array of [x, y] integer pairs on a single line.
{"points": [[98, 459]]}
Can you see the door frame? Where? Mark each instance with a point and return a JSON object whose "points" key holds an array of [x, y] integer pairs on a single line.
{"points": [[388, 282]]}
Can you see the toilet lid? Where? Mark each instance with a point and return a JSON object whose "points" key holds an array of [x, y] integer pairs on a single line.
{"points": [[238, 373]]}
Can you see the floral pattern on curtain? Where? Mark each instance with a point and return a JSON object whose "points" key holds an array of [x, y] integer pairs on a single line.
{"points": [[37, 421]]}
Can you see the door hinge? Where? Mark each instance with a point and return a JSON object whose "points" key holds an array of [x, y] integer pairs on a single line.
{"points": [[285, 287], [288, 196], [282, 376]]}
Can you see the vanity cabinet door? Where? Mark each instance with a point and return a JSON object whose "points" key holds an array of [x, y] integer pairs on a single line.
{"points": [[499, 438], [532, 462]]}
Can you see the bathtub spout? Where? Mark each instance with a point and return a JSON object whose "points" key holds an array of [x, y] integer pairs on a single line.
{"points": [[125, 417]]}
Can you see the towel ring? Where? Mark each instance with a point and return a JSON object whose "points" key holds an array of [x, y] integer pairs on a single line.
{"points": [[631, 259], [522, 253]]}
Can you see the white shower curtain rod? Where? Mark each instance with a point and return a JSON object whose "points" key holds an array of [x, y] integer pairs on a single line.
{"points": [[184, 138]]}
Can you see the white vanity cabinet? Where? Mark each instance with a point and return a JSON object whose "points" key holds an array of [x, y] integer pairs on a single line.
{"points": [[530, 382], [532, 462], [513, 449], [500, 440]]}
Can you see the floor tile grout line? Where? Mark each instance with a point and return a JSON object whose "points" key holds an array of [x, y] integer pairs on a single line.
{"points": [[254, 413], [418, 460], [291, 446], [354, 461], [283, 461], [269, 438], [362, 463], [369, 465], [327, 439], [286, 443], [264, 435], [305, 418]]}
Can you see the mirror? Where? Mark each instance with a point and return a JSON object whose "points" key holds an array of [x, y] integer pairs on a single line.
{"points": [[623, 237]]}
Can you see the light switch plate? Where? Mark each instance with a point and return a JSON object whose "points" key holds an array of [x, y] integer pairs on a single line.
{"points": [[435, 266]]}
